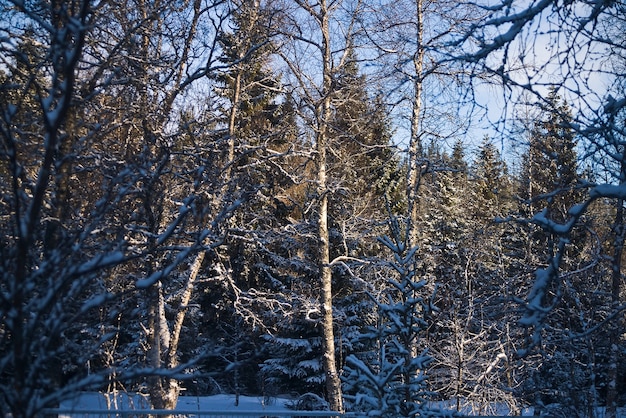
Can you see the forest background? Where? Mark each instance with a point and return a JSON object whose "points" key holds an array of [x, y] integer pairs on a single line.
{"points": [[261, 197]]}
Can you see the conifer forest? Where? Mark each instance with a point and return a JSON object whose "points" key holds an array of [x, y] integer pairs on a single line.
{"points": [[379, 205]]}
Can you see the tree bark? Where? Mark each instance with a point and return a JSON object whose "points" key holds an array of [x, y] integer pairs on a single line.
{"points": [[333, 383], [415, 151]]}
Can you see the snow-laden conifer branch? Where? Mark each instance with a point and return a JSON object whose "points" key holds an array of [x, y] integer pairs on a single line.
{"points": [[394, 383]]}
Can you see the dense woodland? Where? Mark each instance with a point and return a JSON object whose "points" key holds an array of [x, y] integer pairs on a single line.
{"points": [[375, 203]]}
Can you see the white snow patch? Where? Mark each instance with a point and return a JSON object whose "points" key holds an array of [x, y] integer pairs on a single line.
{"points": [[127, 401], [124, 401]]}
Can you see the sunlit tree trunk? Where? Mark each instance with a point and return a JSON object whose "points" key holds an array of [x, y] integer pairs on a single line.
{"points": [[333, 383], [415, 152]]}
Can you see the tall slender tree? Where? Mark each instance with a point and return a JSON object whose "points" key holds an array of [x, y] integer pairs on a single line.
{"points": [[259, 138], [327, 26], [424, 82]]}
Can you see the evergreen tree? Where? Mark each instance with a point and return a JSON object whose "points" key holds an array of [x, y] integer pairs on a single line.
{"points": [[550, 186], [364, 168], [491, 182], [457, 158], [550, 166], [549, 181], [259, 130], [391, 381]]}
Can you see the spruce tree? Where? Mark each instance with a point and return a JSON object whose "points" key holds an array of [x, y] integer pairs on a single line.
{"points": [[390, 380], [491, 182], [550, 187], [258, 130], [364, 167], [550, 165], [457, 158]]}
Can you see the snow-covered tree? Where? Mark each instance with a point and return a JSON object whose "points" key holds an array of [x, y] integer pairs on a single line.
{"points": [[583, 52], [390, 380], [100, 209], [44, 288]]}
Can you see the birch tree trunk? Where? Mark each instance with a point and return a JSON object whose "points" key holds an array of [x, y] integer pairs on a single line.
{"points": [[415, 161], [333, 383]]}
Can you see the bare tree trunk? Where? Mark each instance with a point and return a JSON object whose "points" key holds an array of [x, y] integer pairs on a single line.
{"points": [[163, 390], [333, 383], [415, 157]]}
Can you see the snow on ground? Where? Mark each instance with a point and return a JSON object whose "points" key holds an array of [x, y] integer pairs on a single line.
{"points": [[223, 403], [121, 400]]}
